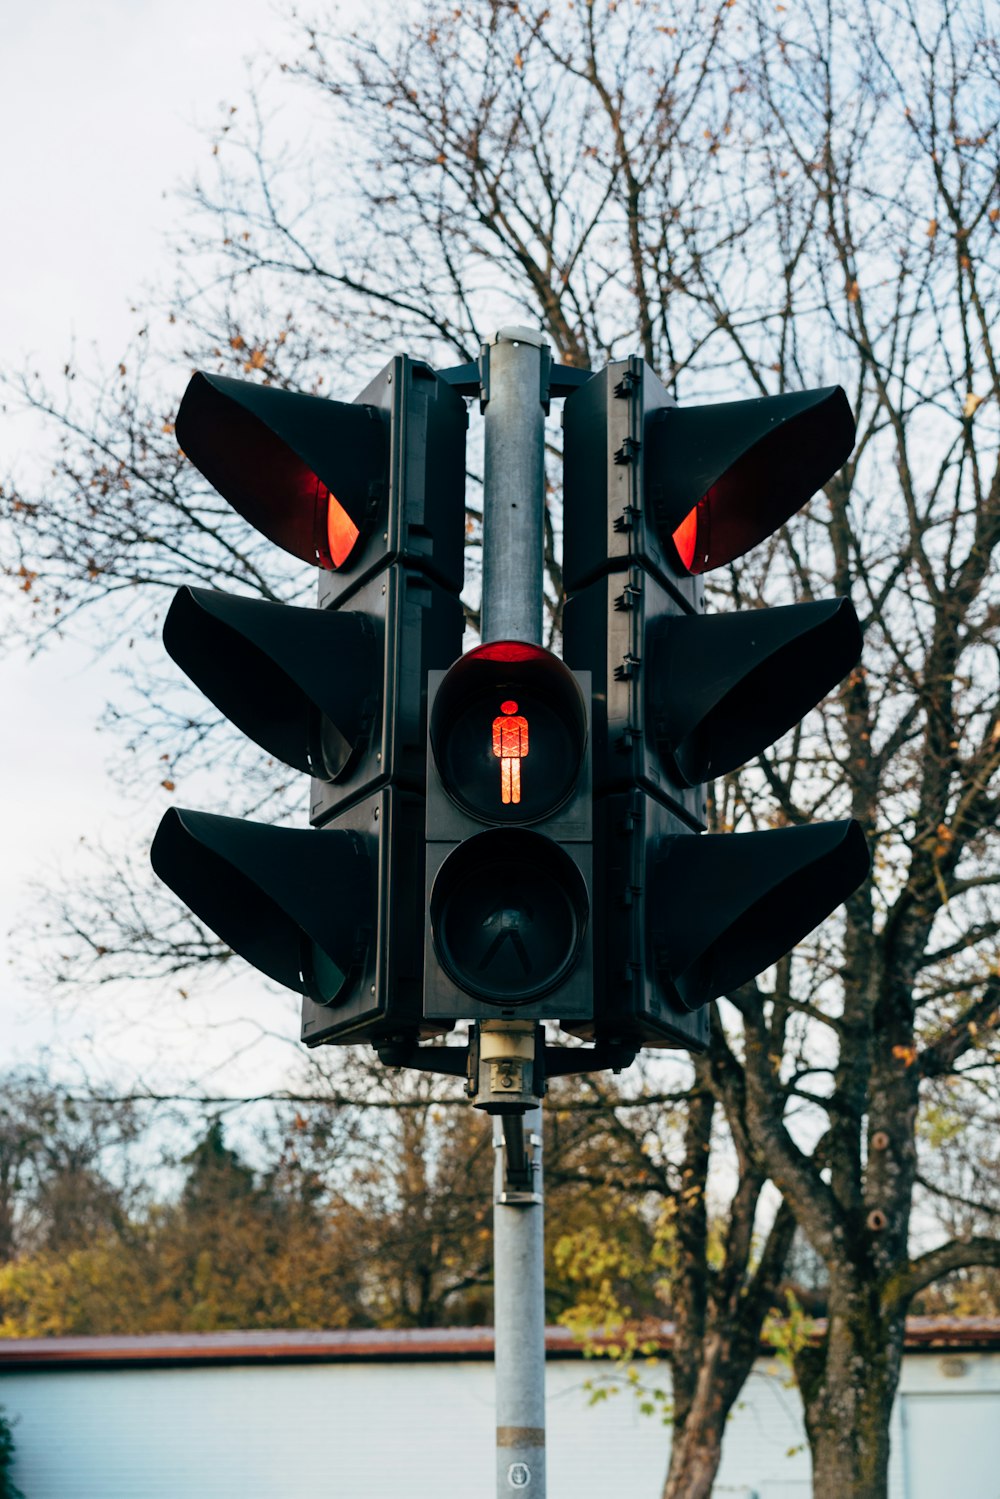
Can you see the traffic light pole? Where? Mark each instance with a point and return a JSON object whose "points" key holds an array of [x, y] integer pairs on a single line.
{"points": [[516, 367]]}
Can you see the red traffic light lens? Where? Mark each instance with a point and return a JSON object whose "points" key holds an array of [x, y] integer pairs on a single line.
{"points": [[686, 537], [341, 532], [305, 471], [508, 650], [508, 732], [724, 477]]}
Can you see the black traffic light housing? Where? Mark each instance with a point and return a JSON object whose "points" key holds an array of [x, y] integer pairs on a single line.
{"points": [[372, 494], [688, 917], [417, 626], [655, 495], [345, 486], [509, 877]]}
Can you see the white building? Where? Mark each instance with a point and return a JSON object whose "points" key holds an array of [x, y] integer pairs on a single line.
{"points": [[358, 1415]]}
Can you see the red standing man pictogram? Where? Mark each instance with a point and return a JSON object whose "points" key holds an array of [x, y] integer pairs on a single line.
{"points": [[510, 745]]}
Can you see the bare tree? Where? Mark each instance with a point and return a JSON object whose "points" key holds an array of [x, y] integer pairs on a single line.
{"points": [[65, 1168]]}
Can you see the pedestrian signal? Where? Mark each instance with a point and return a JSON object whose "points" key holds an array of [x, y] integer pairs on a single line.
{"points": [[508, 837]]}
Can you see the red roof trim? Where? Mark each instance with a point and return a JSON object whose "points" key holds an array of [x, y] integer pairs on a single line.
{"points": [[161, 1349]]}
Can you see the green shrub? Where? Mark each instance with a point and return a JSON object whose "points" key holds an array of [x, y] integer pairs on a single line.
{"points": [[8, 1488]]}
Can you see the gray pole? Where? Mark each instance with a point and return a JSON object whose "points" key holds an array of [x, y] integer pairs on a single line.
{"points": [[514, 487], [514, 495]]}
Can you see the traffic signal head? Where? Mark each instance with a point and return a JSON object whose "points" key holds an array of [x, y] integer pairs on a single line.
{"points": [[758, 894], [723, 687], [722, 478], [508, 704], [329, 461], [270, 669], [296, 906], [688, 918], [342, 485], [326, 914], [508, 913], [654, 496], [372, 493], [336, 693], [681, 490], [509, 830]]}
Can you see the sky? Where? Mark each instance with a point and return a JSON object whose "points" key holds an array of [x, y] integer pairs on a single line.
{"points": [[103, 111]]}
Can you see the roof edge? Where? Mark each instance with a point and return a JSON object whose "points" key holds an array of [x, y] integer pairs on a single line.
{"points": [[393, 1345]]}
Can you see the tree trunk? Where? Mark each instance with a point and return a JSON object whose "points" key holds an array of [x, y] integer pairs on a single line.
{"points": [[848, 1386], [693, 1465], [696, 1450]]}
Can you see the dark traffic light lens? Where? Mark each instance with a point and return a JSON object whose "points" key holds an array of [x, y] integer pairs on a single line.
{"points": [[297, 905], [508, 732], [508, 913]]}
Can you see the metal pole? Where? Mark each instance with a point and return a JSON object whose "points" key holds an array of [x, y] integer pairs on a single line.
{"points": [[514, 487], [519, 1322], [516, 367]]}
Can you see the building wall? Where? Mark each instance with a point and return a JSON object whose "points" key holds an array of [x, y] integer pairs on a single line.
{"points": [[374, 1430]]}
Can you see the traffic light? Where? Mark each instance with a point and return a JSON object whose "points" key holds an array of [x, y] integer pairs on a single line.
{"points": [[655, 495], [372, 494], [509, 901], [344, 486]]}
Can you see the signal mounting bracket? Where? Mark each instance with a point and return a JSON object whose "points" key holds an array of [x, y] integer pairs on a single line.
{"points": [[519, 1160], [545, 1062]]}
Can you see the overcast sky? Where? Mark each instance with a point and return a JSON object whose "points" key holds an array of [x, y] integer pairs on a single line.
{"points": [[102, 112]]}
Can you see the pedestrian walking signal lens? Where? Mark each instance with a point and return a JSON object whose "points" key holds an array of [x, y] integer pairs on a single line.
{"points": [[510, 746], [508, 732]]}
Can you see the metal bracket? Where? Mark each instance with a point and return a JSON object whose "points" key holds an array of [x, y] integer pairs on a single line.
{"points": [[448, 1061], [628, 384], [508, 1078], [473, 380], [630, 596], [519, 1160], [568, 1061], [566, 378], [466, 378], [513, 1074]]}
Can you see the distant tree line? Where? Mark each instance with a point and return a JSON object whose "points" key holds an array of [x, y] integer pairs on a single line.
{"points": [[324, 1220]]}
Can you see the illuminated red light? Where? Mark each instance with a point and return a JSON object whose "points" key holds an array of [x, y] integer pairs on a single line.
{"points": [[686, 536], [508, 650], [510, 745], [341, 532]]}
